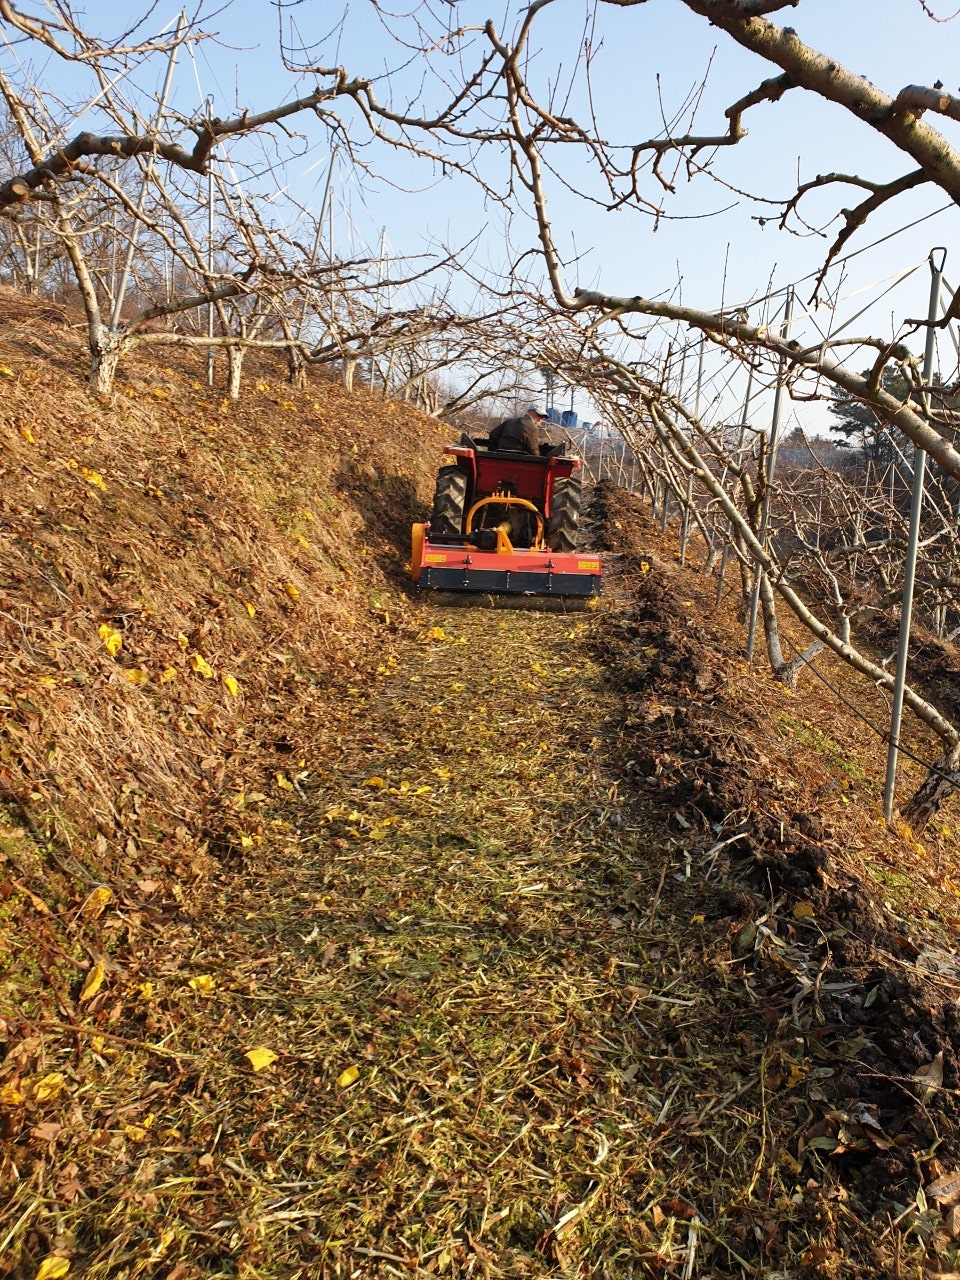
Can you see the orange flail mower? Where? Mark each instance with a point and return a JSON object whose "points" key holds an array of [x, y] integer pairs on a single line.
{"points": [[505, 522]]}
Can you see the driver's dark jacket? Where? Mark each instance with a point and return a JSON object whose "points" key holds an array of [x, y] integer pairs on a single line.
{"points": [[517, 434]]}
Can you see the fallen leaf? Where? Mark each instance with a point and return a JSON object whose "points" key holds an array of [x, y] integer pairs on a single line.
{"points": [[113, 640], [93, 983], [803, 911], [46, 1132], [930, 1077], [203, 984], [232, 687], [201, 665], [53, 1268], [346, 1078], [48, 1087], [260, 1058], [291, 591], [250, 608], [946, 1189], [97, 900], [136, 675]]}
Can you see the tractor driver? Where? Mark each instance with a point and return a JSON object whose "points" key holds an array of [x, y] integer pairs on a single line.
{"points": [[519, 435]]}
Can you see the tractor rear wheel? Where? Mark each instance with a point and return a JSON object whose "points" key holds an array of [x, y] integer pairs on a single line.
{"points": [[449, 502], [563, 524]]}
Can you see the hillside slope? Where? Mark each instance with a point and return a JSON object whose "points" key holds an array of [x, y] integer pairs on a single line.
{"points": [[183, 580], [348, 933]]}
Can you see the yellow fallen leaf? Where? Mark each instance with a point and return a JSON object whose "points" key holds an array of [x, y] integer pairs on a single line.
{"points": [[437, 633], [96, 901], [10, 1096], [232, 687], [52, 1268], [201, 665], [48, 1087], [145, 990], [93, 477], [260, 1058], [136, 1132], [28, 435], [168, 674], [93, 983], [803, 911], [346, 1078], [136, 675], [377, 783], [113, 640], [48, 682], [183, 641], [291, 591], [7, 373], [283, 782], [250, 608], [203, 983]]}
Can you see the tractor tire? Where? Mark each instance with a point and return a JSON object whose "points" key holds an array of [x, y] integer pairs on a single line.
{"points": [[449, 502], [563, 525]]}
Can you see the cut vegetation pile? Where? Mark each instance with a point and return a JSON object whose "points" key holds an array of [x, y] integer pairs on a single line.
{"points": [[347, 934]]}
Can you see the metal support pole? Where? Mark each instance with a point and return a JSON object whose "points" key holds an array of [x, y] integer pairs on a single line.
{"points": [[135, 230], [771, 473], [210, 370], [685, 526], [316, 240], [913, 541]]}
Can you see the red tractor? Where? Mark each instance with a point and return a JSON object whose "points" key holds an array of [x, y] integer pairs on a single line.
{"points": [[505, 522]]}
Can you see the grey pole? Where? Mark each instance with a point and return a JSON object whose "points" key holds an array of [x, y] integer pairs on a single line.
{"points": [[913, 541], [771, 473], [316, 240], [685, 527], [135, 230], [210, 258]]}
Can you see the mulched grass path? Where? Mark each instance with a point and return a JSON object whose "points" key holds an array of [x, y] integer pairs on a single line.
{"points": [[505, 1041]]}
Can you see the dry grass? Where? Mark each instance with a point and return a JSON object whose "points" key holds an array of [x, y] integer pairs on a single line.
{"points": [[443, 864], [469, 914]]}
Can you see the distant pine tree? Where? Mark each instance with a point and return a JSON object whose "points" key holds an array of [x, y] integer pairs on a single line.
{"points": [[861, 429]]}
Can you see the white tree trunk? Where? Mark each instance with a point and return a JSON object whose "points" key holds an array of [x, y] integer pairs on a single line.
{"points": [[106, 351], [234, 370]]}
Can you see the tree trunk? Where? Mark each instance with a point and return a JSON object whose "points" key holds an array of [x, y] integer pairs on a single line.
{"points": [[939, 785], [296, 368], [349, 373], [234, 369], [106, 351]]}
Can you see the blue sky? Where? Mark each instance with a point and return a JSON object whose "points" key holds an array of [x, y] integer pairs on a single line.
{"points": [[648, 59]]}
